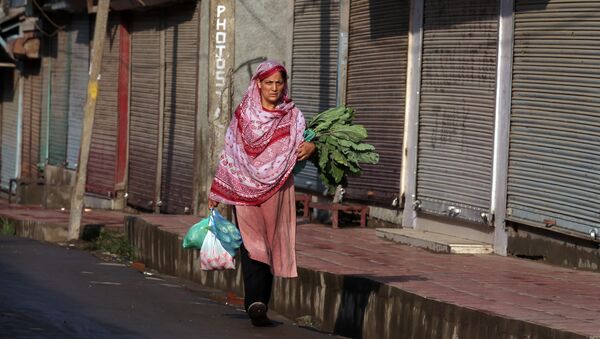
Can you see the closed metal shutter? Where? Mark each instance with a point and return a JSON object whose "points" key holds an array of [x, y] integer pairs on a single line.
{"points": [[554, 158], [80, 45], [32, 115], [181, 39], [59, 101], [27, 120], [103, 150], [144, 108], [45, 98], [456, 116], [10, 124], [377, 56], [314, 66]]}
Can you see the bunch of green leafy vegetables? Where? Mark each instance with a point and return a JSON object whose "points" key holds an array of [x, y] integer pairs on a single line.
{"points": [[340, 150]]}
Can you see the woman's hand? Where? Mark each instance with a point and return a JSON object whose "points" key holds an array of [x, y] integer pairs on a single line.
{"points": [[212, 203], [305, 150]]}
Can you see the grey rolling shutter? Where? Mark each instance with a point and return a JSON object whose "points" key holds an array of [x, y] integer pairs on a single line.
{"points": [[10, 116], [144, 108], [377, 51], [80, 42], [103, 150], [456, 116], [314, 66], [45, 98], [182, 41], [59, 101], [554, 159]]}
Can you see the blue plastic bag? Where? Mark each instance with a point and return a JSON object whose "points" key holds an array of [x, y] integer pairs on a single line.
{"points": [[226, 232], [196, 234]]}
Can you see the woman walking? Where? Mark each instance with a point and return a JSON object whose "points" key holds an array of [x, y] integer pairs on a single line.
{"points": [[262, 144]]}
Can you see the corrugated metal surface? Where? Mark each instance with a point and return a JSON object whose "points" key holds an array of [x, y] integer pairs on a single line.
{"points": [[314, 66], [103, 150], [59, 101], [27, 120], [45, 97], [32, 115], [10, 112], [377, 52], [456, 117], [181, 39], [80, 45], [37, 93], [554, 160], [123, 103], [145, 92]]}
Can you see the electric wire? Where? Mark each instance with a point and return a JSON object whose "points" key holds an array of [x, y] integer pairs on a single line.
{"points": [[46, 16]]}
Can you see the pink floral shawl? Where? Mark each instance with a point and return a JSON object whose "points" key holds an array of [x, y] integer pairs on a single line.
{"points": [[260, 146]]}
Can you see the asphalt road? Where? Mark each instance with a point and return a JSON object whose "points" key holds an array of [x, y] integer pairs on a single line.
{"points": [[49, 291]]}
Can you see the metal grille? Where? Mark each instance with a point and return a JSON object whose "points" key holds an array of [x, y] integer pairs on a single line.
{"points": [[45, 98], [26, 132], [456, 117], [145, 92], [182, 24], [103, 150], [32, 112], [80, 41], [10, 115], [314, 66], [554, 159], [377, 51], [59, 102]]}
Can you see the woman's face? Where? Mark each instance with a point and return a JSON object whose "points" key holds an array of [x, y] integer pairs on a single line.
{"points": [[271, 90]]}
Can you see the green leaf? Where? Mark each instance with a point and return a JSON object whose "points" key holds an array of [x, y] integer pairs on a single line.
{"points": [[323, 156], [363, 147], [333, 141], [368, 157], [337, 174], [355, 133], [339, 157], [327, 116], [353, 167], [345, 143]]}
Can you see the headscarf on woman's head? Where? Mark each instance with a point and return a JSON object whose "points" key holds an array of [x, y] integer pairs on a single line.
{"points": [[260, 145]]}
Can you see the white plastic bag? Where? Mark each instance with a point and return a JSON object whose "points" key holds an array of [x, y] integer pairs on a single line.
{"points": [[213, 256]]}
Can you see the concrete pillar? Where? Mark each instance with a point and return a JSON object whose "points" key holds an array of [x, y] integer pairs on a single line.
{"points": [[502, 124], [342, 71], [408, 189]]}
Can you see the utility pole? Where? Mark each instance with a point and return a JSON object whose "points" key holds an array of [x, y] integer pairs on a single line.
{"points": [[88, 119]]}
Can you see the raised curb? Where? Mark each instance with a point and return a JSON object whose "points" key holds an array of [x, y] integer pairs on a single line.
{"points": [[347, 305], [39, 230]]}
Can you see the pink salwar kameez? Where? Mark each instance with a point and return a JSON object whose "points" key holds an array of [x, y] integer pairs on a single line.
{"points": [[269, 230], [254, 174]]}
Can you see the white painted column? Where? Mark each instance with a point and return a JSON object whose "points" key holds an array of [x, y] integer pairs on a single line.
{"points": [[502, 124], [408, 189], [18, 162], [342, 69]]}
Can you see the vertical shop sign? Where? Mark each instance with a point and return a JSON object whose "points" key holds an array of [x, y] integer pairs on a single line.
{"points": [[220, 75]]}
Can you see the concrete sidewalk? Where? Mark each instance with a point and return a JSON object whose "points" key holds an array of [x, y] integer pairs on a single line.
{"points": [[356, 284]]}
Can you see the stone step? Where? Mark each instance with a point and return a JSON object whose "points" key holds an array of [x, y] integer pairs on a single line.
{"points": [[435, 242]]}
